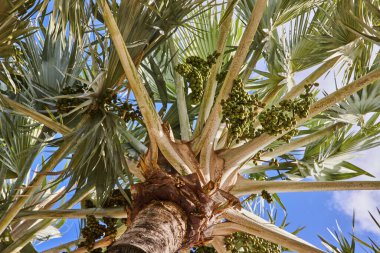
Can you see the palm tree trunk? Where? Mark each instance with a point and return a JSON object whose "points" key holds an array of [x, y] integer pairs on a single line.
{"points": [[158, 228]]}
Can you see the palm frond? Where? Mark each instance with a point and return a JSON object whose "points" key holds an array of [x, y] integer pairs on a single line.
{"points": [[99, 152], [14, 20], [349, 243], [152, 23], [21, 142], [364, 101], [327, 158], [51, 61]]}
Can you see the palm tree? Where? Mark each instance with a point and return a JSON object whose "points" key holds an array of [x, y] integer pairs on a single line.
{"points": [[155, 117]]}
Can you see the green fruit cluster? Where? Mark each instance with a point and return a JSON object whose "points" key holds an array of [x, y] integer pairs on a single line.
{"points": [[110, 102], [274, 162], [93, 229], [91, 232], [203, 65], [196, 70], [195, 80], [305, 101], [267, 196], [127, 112], [239, 111], [65, 105], [110, 97], [257, 157], [240, 242], [198, 63], [111, 226], [221, 76], [124, 110], [116, 199], [281, 118], [276, 120], [288, 136]]}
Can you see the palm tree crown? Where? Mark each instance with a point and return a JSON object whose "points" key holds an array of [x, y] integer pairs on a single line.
{"points": [[168, 120]]}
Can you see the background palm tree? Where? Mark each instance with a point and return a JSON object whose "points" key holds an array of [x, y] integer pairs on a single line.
{"points": [[154, 116]]}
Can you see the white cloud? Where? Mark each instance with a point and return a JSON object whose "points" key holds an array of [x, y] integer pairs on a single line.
{"points": [[369, 160], [362, 201]]}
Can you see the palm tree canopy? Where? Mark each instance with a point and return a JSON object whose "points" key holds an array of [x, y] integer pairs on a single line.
{"points": [[211, 105]]}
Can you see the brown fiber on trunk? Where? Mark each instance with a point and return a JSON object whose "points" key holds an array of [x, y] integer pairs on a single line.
{"points": [[158, 228]]}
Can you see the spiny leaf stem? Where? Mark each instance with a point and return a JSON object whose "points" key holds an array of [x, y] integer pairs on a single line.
{"points": [[246, 186], [152, 120], [208, 98]]}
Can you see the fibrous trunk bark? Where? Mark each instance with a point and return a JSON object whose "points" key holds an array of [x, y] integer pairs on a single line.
{"points": [[158, 228]]}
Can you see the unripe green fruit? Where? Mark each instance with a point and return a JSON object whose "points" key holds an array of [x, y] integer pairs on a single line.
{"points": [[245, 243], [277, 119], [195, 70], [238, 111]]}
